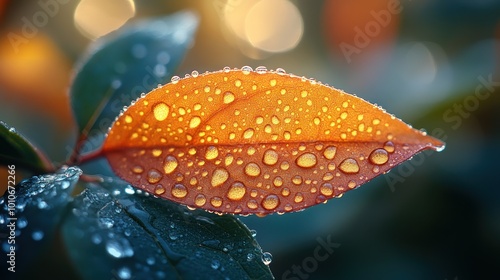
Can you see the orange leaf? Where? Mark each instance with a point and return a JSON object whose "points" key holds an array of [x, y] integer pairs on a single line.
{"points": [[239, 141]]}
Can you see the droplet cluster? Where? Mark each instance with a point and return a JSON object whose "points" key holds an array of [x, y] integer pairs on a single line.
{"points": [[244, 141]]}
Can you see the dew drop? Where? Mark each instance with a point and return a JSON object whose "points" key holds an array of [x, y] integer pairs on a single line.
{"points": [[270, 157], [389, 147], [246, 69], [298, 198], [351, 184], [252, 204], [326, 189], [349, 165], [137, 169], [37, 235], [237, 83], [297, 180], [179, 191], [284, 165], [252, 169], [216, 201], [226, 69], [170, 164], [278, 182], [306, 160], [211, 153], [228, 97], [248, 133], [175, 79], [128, 119], [159, 190], [161, 111], [379, 156], [261, 69], [272, 82], [270, 202], [267, 258], [154, 176], [200, 200], [219, 177], [194, 122], [329, 152], [236, 191], [124, 273], [285, 192]]}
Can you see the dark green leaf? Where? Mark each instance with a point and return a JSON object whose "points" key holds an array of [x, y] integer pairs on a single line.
{"points": [[115, 231], [17, 150], [33, 210], [128, 62]]}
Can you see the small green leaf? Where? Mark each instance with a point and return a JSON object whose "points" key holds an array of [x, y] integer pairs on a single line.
{"points": [[114, 230], [15, 149], [33, 210], [124, 64]]}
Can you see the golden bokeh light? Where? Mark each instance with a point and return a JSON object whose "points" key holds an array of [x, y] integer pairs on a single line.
{"points": [[95, 18], [271, 26]]}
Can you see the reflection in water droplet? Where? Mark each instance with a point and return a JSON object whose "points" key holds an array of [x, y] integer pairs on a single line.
{"points": [[124, 273], [351, 184], [228, 97], [379, 156], [154, 176], [389, 147], [194, 122], [252, 204], [270, 157], [246, 69], [119, 248], [170, 164], [161, 111], [215, 264], [159, 190], [285, 192], [216, 201], [329, 152], [219, 177], [349, 165], [248, 133], [306, 160], [326, 189], [270, 202], [137, 169], [179, 191], [236, 191], [298, 198]]}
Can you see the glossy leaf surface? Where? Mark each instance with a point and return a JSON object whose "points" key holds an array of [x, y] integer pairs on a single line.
{"points": [[242, 141], [124, 64], [123, 234]]}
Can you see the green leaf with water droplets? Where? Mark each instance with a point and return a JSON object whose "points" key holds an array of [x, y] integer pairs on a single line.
{"points": [[16, 150], [33, 210], [115, 231], [124, 64]]}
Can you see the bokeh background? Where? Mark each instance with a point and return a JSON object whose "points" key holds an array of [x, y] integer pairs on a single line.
{"points": [[434, 64]]}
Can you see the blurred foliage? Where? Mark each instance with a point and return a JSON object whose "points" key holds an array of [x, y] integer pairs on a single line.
{"points": [[438, 219]]}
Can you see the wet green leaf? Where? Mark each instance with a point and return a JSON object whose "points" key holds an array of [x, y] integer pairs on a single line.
{"points": [[123, 232], [128, 62], [15, 149], [33, 210]]}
